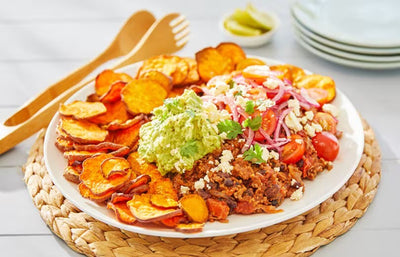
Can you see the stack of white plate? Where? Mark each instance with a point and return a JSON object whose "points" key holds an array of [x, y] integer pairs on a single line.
{"points": [[358, 33]]}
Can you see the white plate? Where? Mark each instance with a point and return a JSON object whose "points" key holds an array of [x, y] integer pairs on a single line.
{"points": [[347, 55], [324, 186], [345, 47], [369, 23], [348, 62]]}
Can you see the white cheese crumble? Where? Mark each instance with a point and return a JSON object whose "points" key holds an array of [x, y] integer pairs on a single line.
{"points": [[309, 115], [277, 169], [330, 108], [273, 155], [297, 195], [224, 164], [240, 100], [206, 178], [271, 83], [184, 190], [199, 184], [293, 182], [295, 105], [299, 141], [309, 130], [262, 70], [293, 122], [265, 154], [263, 105], [317, 127]]}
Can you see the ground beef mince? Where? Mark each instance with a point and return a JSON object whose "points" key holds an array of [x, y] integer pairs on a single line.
{"points": [[247, 188]]}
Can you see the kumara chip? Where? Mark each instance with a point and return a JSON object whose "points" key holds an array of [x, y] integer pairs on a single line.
{"points": [[64, 144], [121, 152], [120, 197], [231, 51], [128, 136], [163, 201], [318, 81], [115, 112], [176, 91], [241, 65], [82, 131], [79, 156], [140, 181], [164, 80], [117, 124], [82, 110], [85, 192], [193, 75], [106, 78], [289, 72], [92, 176], [143, 95], [211, 63], [114, 93], [122, 212], [103, 146], [190, 227], [116, 166], [71, 173]]}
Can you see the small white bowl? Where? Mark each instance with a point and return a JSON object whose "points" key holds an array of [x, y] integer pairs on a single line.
{"points": [[250, 41]]}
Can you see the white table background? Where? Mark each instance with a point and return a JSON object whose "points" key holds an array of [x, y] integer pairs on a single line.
{"points": [[43, 40]]}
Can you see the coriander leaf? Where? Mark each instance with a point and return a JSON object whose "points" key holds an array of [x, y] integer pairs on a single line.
{"points": [[230, 127], [254, 154], [231, 84], [189, 149], [254, 123], [250, 107], [238, 93]]}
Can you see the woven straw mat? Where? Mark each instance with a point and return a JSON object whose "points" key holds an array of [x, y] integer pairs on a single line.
{"points": [[299, 236]]}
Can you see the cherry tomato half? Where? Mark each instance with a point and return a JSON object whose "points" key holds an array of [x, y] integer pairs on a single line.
{"points": [[326, 145], [327, 122], [293, 151], [284, 98], [269, 121], [318, 94]]}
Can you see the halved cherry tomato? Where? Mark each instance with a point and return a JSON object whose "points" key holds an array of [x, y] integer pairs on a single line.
{"points": [[326, 145], [284, 98], [293, 151], [327, 122], [318, 94], [318, 81], [269, 121], [258, 73]]}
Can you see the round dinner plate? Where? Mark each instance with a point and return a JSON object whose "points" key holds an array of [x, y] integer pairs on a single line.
{"points": [[367, 23], [345, 47], [324, 186], [346, 61]]}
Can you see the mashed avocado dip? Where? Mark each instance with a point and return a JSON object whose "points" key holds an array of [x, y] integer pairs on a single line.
{"points": [[181, 131]]}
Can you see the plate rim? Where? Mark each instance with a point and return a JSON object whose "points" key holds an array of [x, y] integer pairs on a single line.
{"points": [[354, 42], [211, 233]]}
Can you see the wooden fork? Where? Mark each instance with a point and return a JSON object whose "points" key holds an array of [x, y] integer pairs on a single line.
{"points": [[165, 36]]}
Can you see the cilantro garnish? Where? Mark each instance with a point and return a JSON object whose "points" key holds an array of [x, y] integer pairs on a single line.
{"points": [[253, 123], [231, 84], [250, 107], [238, 93], [254, 154], [190, 148], [230, 127]]}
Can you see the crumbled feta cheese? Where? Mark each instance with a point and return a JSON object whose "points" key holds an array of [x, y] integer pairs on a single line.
{"points": [[317, 127], [263, 105], [330, 108], [240, 156], [293, 122], [219, 88], [309, 130], [224, 163], [293, 182], [273, 155], [297, 195], [184, 190], [210, 162], [295, 105], [240, 100], [213, 114], [262, 70], [216, 162], [199, 184], [277, 169], [271, 83], [309, 115], [241, 140], [299, 141], [303, 120], [265, 154], [206, 178]]}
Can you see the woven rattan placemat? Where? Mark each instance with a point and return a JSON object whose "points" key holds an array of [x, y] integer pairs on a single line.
{"points": [[300, 236]]}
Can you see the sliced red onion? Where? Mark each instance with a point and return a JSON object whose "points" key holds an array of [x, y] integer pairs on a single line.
{"points": [[310, 100], [249, 140], [285, 127], [232, 105], [280, 93], [242, 112], [280, 121]]}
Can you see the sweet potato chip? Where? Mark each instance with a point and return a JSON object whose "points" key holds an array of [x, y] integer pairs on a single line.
{"points": [[164, 80], [174, 221], [163, 186], [82, 110], [143, 95], [116, 166], [60, 133], [71, 173], [103, 146], [144, 211], [121, 152], [172, 66], [289, 72], [241, 65], [117, 124], [93, 98], [128, 136], [176, 91], [92, 176], [82, 131], [193, 75], [64, 144], [122, 212], [231, 51], [80, 156], [190, 228], [85, 192], [106, 78], [137, 182], [318, 81], [115, 112], [120, 197], [195, 207], [163, 201], [211, 63], [114, 93]]}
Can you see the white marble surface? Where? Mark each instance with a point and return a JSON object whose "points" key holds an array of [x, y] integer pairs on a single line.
{"points": [[43, 40]]}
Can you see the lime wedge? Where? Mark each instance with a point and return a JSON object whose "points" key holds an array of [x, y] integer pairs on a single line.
{"points": [[263, 20], [236, 28], [244, 18]]}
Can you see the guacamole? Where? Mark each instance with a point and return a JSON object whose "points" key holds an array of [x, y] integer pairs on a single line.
{"points": [[181, 131]]}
